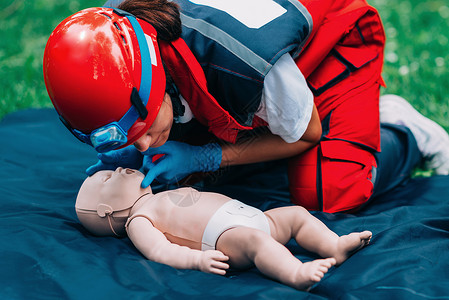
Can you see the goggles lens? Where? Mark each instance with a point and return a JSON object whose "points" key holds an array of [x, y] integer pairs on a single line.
{"points": [[108, 137]]}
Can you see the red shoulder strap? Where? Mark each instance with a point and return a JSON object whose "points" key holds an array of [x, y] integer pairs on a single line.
{"points": [[191, 82]]}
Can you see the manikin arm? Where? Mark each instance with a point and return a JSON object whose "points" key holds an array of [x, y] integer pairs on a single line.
{"points": [[154, 246]]}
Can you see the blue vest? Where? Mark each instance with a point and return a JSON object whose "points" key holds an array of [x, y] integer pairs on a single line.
{"points": [[238, 46], [236, 49]]}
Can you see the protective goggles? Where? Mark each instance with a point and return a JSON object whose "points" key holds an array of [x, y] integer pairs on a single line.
{"points": [[113, 135]]}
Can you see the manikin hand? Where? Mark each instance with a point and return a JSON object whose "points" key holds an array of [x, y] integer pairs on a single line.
{"points": [[212, 261], [128, 157], [178, 161]]}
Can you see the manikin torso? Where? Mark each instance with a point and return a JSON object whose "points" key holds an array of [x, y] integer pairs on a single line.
{"points": [[181, 215]]}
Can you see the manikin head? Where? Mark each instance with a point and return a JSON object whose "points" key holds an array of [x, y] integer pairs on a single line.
{"points": [[105, 200]]}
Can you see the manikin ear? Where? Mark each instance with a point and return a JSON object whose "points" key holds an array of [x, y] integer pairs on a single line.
{"points": [[110, 224]]}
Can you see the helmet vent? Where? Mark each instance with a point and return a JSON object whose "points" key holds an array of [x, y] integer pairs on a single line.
{"points": [[107, 16], [117, 26]]}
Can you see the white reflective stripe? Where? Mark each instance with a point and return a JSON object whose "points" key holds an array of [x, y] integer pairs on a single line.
{"points": [[304, 12], [227, 41], [251, 13], [152, 50]]}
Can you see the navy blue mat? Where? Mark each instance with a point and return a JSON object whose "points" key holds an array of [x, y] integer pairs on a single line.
{"points": [[46, 254]]}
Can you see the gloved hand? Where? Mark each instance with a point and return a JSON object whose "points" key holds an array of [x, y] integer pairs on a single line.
{"points": [[179, 160], [128, 157]]}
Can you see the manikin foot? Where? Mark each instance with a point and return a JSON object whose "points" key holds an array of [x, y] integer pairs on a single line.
{"points": [[349, 244], [311, 272]]}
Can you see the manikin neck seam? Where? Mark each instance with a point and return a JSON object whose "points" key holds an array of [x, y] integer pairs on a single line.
{"points": [[109, 215]]}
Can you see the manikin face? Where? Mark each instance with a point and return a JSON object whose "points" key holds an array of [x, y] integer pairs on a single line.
{"points": [[105, 200], [159, 131], [115, 186]]}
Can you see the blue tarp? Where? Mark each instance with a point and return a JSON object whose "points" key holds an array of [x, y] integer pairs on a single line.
{"points": [[45, 253]]}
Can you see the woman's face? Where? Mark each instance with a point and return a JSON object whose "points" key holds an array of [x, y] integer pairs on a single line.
{"points": [[159, 131]]}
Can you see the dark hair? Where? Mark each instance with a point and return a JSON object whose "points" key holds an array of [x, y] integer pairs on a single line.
{"points": [[161, 14]]}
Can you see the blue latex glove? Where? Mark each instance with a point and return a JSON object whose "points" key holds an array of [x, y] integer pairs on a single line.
{"points": [[179, 160], [128, 157]]}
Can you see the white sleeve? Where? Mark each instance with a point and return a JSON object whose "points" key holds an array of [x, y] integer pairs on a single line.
{"points": [[287, 101]]}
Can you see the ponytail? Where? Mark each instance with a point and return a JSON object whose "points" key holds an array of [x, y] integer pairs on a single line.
{"points": [[161, 14]]}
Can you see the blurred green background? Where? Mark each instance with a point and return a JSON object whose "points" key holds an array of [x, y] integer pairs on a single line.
{"points": [[416, 54], [25, 26]]}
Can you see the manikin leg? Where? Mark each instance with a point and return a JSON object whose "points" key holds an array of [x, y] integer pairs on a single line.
{"points": [[247, 246], [313, 235]]}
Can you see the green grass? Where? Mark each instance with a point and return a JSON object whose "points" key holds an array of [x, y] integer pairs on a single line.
{"points": [[417, 54], [416, 67], [25, 26]]}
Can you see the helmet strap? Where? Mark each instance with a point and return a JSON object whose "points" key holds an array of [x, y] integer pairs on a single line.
{"points": [[138, 104]]}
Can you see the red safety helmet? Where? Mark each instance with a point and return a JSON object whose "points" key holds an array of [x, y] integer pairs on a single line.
{"points": [[105, 77]]}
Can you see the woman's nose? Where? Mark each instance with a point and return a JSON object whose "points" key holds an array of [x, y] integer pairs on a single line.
{"points": [[143, 143]]}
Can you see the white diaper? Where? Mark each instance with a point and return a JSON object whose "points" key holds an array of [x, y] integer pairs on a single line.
{"points": [[232, 214]]}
